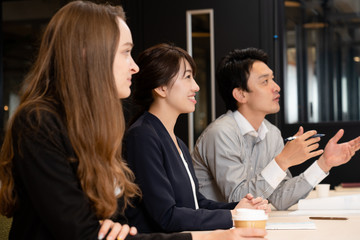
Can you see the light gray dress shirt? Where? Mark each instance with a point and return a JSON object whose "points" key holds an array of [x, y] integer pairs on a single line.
{"points": [[231, 159]]}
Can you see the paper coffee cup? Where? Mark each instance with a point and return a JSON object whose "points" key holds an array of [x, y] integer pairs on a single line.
{"points": [[322, 190], [250, 218]]}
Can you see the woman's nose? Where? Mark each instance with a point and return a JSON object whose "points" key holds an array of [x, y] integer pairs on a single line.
{"points": [[134, 67], [196, 86]]}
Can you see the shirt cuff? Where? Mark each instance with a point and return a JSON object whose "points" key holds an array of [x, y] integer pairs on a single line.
{"points": [[273, 174], [314, 174]]}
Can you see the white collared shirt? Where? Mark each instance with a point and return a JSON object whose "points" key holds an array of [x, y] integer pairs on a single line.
{"points": [[247, 128]]}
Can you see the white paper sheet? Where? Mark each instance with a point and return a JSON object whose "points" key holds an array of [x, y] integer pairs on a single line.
{"points": [[291, 226], [324, 212], [345, 202]]}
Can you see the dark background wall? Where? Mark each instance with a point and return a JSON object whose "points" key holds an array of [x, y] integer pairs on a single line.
{"points": [[237, 24]]}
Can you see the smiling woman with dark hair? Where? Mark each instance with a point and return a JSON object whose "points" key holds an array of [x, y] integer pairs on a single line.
{"points": [[163, 89]]}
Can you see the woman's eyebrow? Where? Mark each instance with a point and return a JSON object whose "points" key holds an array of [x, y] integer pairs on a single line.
{"points": [[130, 44]]}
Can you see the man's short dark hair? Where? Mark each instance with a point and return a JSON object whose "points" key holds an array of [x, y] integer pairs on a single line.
{"points": [[233, 71]]}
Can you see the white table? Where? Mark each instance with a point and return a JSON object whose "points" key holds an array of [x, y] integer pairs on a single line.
{"points": [[325, 229]]}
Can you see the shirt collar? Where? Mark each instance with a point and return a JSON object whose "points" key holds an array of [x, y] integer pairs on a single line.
{"points": [[246, 128]]}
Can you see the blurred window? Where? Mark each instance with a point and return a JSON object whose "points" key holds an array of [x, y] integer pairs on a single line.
{"points": [[322, 75]]}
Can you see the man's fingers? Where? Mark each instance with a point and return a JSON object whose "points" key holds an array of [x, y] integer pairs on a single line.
{"points": [[300, 131], [311, 141], [313, 147], [316, 153], [337, 136], [355, 144], [308, 134]]}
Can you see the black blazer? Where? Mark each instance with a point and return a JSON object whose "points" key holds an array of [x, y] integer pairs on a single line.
{"points": [[51, 203], [167, 204]]}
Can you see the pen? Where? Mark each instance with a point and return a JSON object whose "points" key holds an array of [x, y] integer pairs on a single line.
{"points": [[313, 136], [328, 218]]}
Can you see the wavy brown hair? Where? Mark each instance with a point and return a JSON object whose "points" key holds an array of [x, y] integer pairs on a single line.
{"points": [[73, 69]]}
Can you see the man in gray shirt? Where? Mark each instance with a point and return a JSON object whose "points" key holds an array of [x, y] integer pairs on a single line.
{"points": [[241, 152]]}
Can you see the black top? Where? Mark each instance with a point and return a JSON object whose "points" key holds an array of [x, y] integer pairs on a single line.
{"points": [[167, 203], [51, 203]]}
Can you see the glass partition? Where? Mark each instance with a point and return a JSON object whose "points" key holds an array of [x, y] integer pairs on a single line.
{"points": [[200, 45]]}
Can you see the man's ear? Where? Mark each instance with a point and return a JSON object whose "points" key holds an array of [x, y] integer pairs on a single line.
{"points": [[161, 91], [239, 95]]}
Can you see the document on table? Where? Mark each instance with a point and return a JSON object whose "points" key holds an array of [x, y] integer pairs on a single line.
{"points": [[324, 212], [291, 225], [345, 202]]}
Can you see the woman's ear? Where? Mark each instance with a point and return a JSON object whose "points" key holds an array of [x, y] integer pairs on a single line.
{"points": [[161, 91], [239, 95]]}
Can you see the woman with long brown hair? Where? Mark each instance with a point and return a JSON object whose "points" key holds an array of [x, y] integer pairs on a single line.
{"points": [[61, 157], [61, 170]]}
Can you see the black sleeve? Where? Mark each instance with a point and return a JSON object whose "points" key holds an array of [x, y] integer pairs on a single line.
{"points": [[46, 181], [152, 236]]}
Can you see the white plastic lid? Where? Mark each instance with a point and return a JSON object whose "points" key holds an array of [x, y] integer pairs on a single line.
{"points": [[245, 214]]}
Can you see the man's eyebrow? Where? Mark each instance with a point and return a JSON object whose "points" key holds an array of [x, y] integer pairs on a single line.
{"points": [[266, 75]]}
